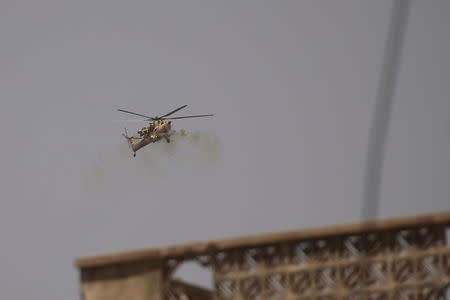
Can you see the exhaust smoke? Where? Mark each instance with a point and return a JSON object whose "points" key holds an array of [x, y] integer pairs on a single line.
{"points": [[155, 166]]}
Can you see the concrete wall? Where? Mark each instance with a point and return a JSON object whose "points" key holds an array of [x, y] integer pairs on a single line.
{"points": [[132, 281]]}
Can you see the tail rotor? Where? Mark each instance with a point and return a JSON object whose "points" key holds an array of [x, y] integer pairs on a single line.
{"points": [[128, 138]]}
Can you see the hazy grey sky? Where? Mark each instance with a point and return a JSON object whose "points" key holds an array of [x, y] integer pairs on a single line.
{"points": [[292, 84]]}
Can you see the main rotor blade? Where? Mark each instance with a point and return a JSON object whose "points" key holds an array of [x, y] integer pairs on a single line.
{"points": [[133, 113], [184, 117], [173, 111], [135, 120]]}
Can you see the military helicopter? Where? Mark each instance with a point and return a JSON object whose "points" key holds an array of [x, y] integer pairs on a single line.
{"points": [[158, 128]]}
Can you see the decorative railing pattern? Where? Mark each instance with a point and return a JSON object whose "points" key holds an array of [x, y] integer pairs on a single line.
{"points": [[402, 258], [396, 264]]}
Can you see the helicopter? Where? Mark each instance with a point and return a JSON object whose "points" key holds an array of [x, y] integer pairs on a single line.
{"points": [[158, 128]]}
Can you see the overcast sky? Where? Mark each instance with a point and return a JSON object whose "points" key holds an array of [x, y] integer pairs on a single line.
{"points": [[292, 84]]}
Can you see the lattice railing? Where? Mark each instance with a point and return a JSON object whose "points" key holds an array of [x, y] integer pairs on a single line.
{"points": [[400, 258], [399, 264], [402, 264]]}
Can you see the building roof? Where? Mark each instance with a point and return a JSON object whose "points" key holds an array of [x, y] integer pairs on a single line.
{"points": [[198, 248]]}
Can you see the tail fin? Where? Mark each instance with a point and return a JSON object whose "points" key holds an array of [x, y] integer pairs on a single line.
{"points": [[125, 135], [129, 141]]}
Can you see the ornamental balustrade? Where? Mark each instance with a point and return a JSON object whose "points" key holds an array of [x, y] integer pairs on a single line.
{"points": [[401, 258]]}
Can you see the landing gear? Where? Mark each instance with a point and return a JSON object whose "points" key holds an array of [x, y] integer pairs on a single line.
{"points": [[134, 154]]}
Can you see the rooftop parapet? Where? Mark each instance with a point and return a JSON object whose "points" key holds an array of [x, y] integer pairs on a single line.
{"points": [[406, 257]]}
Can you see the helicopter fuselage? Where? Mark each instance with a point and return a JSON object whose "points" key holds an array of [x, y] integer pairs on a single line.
{"points": [[151, 133]]}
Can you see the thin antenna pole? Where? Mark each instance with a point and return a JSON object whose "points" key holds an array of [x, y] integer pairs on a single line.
{"points": [[383, 107]]}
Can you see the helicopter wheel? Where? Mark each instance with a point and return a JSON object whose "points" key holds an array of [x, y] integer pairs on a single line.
{"points": [[134, 154]]}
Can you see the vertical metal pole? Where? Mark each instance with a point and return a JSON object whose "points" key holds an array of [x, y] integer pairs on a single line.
{"points": [[383, 107]]}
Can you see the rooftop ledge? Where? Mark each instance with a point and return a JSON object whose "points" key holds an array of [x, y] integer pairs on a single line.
{"points": [[193, 249]]}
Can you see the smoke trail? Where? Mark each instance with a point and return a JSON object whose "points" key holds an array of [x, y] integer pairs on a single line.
{"points": [[209, 146], [117, 172]]}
